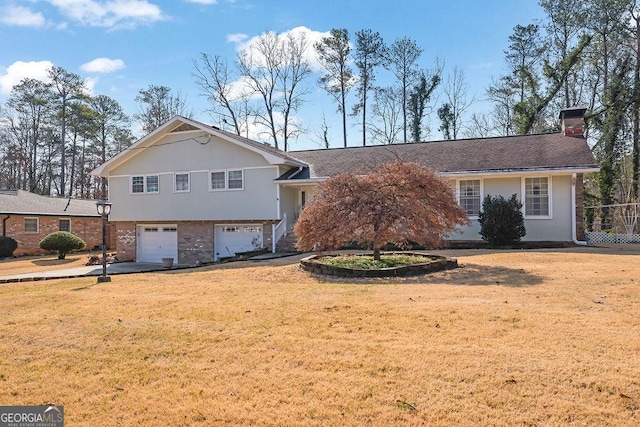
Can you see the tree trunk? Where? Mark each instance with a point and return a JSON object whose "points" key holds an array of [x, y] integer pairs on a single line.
{"points": [[376, 254], [636, 118]]}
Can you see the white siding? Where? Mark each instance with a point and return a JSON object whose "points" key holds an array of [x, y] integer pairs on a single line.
{"points": [[185, 151], [289, 203], [257, 201], [558, 228]]}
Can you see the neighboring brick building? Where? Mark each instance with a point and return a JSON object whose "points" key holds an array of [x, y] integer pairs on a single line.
{"points": [[28, 218]]}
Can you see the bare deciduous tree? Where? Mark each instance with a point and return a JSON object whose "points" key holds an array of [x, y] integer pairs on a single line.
{"points": [[387, 109], [221, 87], [456, 91], [275, 67]]}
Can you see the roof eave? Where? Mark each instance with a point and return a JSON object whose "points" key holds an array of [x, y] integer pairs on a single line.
{"points": [[525, 171], [58, 214], [150, 139], [301, 181], [127, 153], [482, 172]]}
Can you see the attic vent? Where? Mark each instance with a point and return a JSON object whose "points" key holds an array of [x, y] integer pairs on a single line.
{"points": [[184, 127]]}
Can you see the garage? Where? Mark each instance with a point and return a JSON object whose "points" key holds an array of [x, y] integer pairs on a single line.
{"points": [[234, 238], [156, 242]]}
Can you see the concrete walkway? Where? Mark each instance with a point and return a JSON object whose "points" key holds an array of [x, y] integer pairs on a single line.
{"points": [[87, 271], [113, 269]]}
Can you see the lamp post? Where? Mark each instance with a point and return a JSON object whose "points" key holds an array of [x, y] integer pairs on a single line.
{"points": [[104, 208]]}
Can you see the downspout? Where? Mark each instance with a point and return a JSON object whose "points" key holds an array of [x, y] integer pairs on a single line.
{"points": [[4, 225], [574, 232]]}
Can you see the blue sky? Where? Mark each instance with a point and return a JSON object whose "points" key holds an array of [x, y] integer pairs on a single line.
{"points": [[122, 46]]}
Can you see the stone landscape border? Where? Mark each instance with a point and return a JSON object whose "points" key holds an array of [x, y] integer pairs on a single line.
{"points": [[436, 263]]}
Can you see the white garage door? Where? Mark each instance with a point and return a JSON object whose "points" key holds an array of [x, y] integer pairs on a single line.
{"points": [[231, 239], [156, 242]]}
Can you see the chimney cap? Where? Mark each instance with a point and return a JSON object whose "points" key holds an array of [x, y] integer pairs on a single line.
{"points": [[572, 112]]}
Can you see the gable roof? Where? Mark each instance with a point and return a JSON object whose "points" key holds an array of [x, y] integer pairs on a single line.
{"points": [[21, 202], [542, 152], [182, 124]]}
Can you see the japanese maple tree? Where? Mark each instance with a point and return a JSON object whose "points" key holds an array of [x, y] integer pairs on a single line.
{"points": [[397, 203]]}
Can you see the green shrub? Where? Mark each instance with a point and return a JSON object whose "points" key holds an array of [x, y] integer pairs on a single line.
{"points": [[63, 242], [501, 220], [7, 246]]}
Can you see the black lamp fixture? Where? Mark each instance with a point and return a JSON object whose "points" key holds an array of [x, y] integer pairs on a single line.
{"points": [[104, 209]]}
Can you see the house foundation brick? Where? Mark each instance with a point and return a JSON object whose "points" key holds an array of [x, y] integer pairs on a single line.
{"points": [[195, 242], [126, 240]]}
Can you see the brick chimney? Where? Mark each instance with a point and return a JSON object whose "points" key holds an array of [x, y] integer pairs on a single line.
{"points": [[573, 121]]}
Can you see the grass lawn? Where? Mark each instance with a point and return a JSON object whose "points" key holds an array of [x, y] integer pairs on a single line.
{"points": [[511, 338]]}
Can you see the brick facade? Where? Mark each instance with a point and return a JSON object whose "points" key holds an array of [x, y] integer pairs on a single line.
{"points": [[126, 240], [195, 242], [88, 229], [195, 239], [580, 206]]}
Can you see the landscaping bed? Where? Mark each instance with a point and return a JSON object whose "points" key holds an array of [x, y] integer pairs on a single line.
{"points": [[392, 264]]}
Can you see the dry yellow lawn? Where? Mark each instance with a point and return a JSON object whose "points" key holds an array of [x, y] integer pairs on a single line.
{"points": [[512, 338]]}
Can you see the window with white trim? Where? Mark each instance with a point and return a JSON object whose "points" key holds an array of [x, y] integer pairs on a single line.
{"points": [[64, 224], [227, 180], [153, 184], [137, 184], [234, 180], [218, 180], [145, 184], [181, 182], [31, 225], [469, 196], [536, 200]]}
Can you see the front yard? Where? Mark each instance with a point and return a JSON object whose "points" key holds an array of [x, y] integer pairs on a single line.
{"points": [[511, 338], [31, 264]]}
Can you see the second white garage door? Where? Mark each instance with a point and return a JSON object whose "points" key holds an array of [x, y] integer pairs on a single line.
{"points": [[231, 239], [156, 242]]}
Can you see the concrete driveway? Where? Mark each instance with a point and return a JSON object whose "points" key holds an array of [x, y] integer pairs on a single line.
{"points": [[87, 271], [119, 268]]}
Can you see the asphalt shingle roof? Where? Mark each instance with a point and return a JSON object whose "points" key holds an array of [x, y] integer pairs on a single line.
{"points": [[513, 153], [20, 202]]}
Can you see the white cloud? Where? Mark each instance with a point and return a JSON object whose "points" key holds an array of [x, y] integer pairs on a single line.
{"points": [[236, 38], [114, 13], [102, 65], [240, 88], [90, 84], [202, 1], [482, 66], [21, 17], [19, 70], [311, 38]]}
